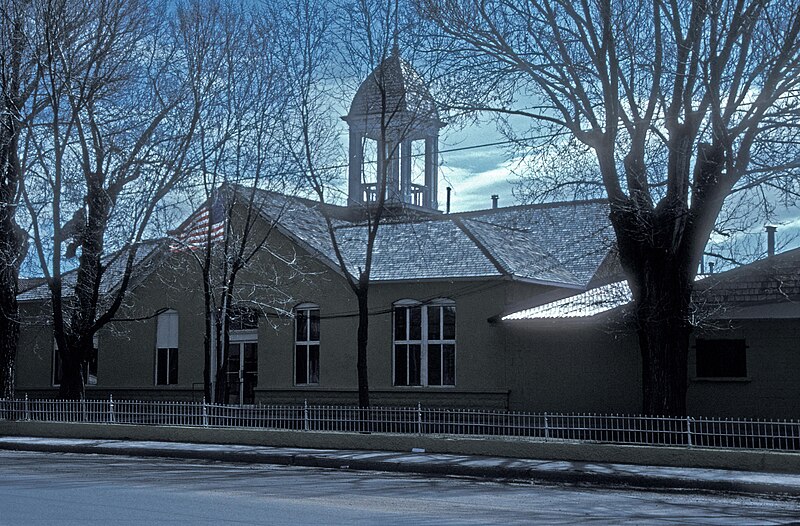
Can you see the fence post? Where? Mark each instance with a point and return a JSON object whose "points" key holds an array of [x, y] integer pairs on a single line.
{"points": [[419, 418], [305, 415], [546, 427], [111, 417], [27, 410], [205, 412], [83, 409], [689, 431]]}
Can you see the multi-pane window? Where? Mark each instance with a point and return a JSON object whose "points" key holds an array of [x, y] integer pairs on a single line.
{"points": [[306, 344], [425, 343], [721, 358], [243, 319], [166, 370], [89, 368]]}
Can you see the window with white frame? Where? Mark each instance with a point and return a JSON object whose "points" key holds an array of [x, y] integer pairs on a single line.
{"points": [[306, 344], [89, 368], [166, 363], [425, 343]]}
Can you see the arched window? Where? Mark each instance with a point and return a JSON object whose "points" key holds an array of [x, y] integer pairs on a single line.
{"points": [[166, 369], [425, 343], [306, 344]]}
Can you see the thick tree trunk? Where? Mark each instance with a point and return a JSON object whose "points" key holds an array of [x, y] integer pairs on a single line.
{"points": [[9, 311], [12, 248], [9, 335], [655, 249], [662, 292], [663, 334], [72, 381], [362, 339]]}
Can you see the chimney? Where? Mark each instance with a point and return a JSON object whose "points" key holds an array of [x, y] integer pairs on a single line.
{"points": [[710, 267], [770, 239], [448, 200], [495, 197]]}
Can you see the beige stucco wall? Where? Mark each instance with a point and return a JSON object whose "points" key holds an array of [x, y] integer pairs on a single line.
{"points": [[572, 367], [772, 386], [593, 367], [35, 348], [126, 359]]}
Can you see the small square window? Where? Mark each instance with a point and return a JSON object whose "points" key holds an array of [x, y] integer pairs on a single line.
{"points": [[721, 358]]}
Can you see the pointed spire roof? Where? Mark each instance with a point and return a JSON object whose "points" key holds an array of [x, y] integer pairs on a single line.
{"points": [[394, 87]]}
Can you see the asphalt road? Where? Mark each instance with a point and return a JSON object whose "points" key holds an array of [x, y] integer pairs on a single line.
{"points": [[53, 488]]}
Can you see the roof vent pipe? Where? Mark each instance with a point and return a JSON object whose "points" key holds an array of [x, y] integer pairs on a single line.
{"points": [[770, 239], [495, 197], [448, 199]]}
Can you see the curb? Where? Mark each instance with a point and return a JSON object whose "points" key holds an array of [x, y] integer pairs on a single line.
{"points": [[433, 467]]}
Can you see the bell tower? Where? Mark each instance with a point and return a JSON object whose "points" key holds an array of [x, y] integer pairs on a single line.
{"points": [[393, 108]]}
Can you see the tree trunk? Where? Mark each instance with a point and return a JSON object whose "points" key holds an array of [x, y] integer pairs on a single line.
{"points": [[655, 252], [9, 335], [664, 345], [208, 393], [363, 334], [72, 381], [662, 292], [9, 310]]}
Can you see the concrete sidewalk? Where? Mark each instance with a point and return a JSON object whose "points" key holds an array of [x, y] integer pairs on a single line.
{"points": [[420, 462]]}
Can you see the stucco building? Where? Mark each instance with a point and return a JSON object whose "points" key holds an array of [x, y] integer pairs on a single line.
{"points": [[516, 308]]}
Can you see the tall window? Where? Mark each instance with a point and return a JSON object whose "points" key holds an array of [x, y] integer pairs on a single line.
{"points": [[425, 343], [306, 344], [89, 367], [166, 370]]}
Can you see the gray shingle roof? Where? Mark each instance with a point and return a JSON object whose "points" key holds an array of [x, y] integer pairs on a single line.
{"points": [[563, 242], [555, 243], [773, 280], [594, 301], [776, 278], [111, 277], [519, 253], [418, 250]]}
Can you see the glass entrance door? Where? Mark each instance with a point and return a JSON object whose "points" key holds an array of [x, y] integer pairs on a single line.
{"points": [[242, 372]]}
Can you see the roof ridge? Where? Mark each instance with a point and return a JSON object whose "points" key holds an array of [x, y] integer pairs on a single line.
{"points": [[532, 206], [757, 264], [502, 266]]}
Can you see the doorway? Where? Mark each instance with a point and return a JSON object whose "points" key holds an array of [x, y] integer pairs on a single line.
{"points": [[242, 372]]}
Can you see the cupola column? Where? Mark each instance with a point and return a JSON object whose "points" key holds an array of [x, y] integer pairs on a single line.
{"points": [[393, 175], [405, 172], [431, 169], [355, 192]]}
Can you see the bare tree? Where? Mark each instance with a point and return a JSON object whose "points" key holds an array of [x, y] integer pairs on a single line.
{"points": [[108, 147], [237, 158], [680, 103], [18, 79], [359, 40]]}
